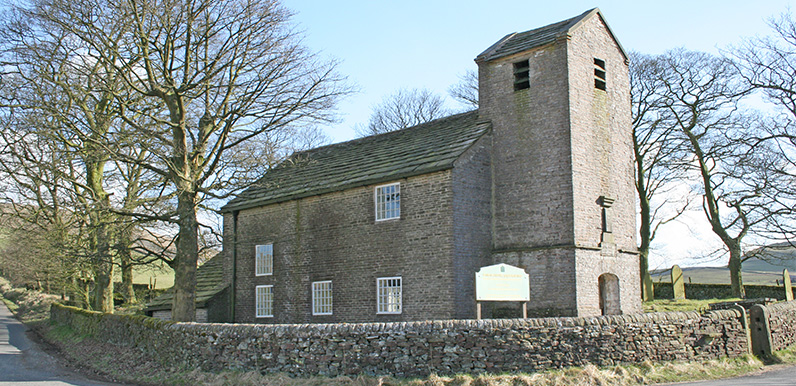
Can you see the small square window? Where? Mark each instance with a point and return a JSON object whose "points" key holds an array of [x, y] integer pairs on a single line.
{"points": [[322, 297], [522, 75], [388, 295], [264, 260], [264, 301], [388, 202]]}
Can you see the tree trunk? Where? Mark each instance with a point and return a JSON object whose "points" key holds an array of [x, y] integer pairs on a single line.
{"points": [[128, 292], [184, 306], [736, 281], [103, 287], [643, 262], [645, 235], [98, 217], [86, 293], [103, 264]]}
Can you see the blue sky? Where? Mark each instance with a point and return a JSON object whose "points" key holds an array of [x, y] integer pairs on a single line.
{"points": [[386, 45]]}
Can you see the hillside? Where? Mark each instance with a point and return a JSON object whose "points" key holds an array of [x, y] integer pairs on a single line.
{"points": [[764, 268]]}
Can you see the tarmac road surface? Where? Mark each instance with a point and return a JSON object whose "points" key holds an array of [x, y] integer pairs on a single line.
{"points": [[780, 376], [22, 362]]}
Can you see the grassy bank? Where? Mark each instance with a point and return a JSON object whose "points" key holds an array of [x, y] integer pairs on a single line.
{"points": [[132, 366]]}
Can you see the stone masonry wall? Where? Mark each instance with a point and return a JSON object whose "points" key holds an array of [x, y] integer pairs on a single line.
{"points": [[335, 237], [719, 291], [558, 147], [472, 222], [782, 323], [531, 167], [602, 148], [602, 165], [421, 348], [533, 217]]}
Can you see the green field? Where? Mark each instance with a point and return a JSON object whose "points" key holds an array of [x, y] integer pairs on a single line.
{"points": [[766, 269], [157, 274]]}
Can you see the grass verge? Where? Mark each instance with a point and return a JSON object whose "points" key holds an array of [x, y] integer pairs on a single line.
{"points": [[670, 305], [27, 305]]}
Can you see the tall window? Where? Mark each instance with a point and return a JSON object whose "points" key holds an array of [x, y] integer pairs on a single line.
{"points": [[264, 260], [388, 201], [599, 74], [264, 301], [522, 75], [322, 297], [388, 295]]}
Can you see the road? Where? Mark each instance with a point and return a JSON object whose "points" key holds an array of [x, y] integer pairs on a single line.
{"points": [[782, 376], [23, 362]]}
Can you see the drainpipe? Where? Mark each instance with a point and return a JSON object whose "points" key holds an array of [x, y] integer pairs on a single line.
{"points": [[234, 265]]}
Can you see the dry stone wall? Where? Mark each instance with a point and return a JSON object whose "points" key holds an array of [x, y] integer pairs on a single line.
{"points": [[421, 348], [719, 291], [781, 323]]}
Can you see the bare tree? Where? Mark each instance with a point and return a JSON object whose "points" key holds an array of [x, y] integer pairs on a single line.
{"points": [[215, 75], [658, 147], [702, 95], [466, 91], [403, 109], [46, 237], [768, 64], [68, 98]]}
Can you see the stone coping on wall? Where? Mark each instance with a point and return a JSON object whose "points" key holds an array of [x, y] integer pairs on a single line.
{"points": [[782, 306], [465, 324], [441, 324]]}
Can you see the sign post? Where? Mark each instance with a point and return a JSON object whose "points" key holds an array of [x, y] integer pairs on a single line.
{"points": [[502, 283]]}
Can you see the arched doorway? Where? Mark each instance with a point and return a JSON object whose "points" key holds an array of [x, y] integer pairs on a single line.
{"points": [[609, 294]]}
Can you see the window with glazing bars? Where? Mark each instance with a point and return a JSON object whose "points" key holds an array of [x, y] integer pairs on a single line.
{"points": [[322, 297], [264, 260], [388, 201], [264, 301], [388, 294]]}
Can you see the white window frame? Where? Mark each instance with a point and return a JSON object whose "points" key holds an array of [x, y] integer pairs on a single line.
{"points": [[322, 297], [264, 302], [264, 265], [382, 213], [384, 302]]}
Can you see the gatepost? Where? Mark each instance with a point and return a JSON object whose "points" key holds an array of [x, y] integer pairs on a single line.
{"points": [[761, 331], [678, 288]]}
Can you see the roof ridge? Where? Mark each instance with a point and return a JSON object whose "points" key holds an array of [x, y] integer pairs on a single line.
{"points": [[549, 33], [383, 135]]}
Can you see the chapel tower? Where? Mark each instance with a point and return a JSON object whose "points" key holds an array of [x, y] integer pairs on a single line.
{"points": [[563, 203]]}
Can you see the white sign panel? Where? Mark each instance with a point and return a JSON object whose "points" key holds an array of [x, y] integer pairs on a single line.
{"points": [[502, 282]]}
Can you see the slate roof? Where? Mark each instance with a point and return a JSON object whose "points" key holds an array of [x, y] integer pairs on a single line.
{"points": [[404, 153], [209, 282], [519, 42]]}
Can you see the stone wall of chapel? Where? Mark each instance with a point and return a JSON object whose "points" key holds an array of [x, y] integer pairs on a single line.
{"points": [[602, 165], [472, 222], [602, 147], [335, 237], [531, 149]]}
